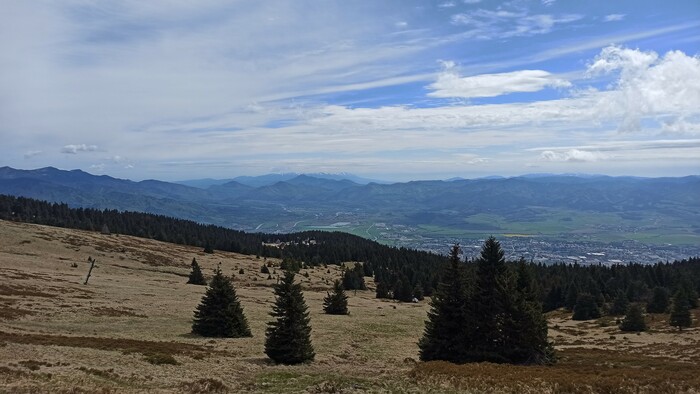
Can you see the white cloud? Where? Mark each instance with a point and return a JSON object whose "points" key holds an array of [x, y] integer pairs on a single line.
{"points": [[613, 58], [147, 72], [74, 149], [99, 168], [447, 4], [614, 17], [547, 3], [648, 86], [485, 24], [680, 126], [31, 153], [450, 84], [572, 155]]}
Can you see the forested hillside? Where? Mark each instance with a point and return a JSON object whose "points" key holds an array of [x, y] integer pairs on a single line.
{"points": [[400, 273], [311, 247]]}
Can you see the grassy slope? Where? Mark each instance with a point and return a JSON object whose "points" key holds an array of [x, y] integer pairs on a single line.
{"points": [[61, 336]]}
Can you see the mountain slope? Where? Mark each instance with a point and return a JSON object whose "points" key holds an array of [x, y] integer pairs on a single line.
{"points": [[544, 205]]}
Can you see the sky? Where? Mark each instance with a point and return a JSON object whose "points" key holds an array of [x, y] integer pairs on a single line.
{"points": [[395, 90]]}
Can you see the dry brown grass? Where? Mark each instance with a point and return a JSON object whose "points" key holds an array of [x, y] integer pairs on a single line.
{"points": [[578, 371], [110, 344], [128, 330]]}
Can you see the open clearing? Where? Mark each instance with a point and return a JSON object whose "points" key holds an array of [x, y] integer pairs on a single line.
{"points": [[128, 330]]}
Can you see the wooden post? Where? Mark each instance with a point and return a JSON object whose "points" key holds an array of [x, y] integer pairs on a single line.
{"points": [[92, 265]]}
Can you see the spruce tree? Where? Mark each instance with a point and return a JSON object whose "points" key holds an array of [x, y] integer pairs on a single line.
{"points": [[680, 312], [382, 290], [418, 293], [288, 339], [447, 327], [196, 277], [634, 319], [586, 307], [336, 303], [525, 327], [620, 304], [489, 304], [220, 313], [659, 301], [571, 296], [690, 292]]}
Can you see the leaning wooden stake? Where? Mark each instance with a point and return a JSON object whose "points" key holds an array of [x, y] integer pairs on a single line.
{"points": [[92, 265]]}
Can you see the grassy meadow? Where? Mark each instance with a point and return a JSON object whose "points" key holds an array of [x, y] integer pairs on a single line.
{"points": [[128, 330]]}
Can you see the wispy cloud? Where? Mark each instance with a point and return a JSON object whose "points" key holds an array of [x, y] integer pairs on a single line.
{"points": [[499, 24], [31, 153], [614, 17], [447, 4], [251, 86], [570, 155], [450, 84], [74, 149]]}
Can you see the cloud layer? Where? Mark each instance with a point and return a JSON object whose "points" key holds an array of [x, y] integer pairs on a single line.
{"points": [[214, 89]]}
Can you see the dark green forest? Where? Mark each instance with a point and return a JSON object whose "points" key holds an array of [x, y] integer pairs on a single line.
{"points": [[400, 273]]}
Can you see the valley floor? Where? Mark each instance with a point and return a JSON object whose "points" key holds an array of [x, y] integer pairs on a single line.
{"points": [[128, 330]]}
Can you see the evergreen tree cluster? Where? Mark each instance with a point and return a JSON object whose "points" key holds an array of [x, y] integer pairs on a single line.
{"points": [[634, 319], [496, 317], [354, 279], [614, 287], [388, 263], [288, 339]]}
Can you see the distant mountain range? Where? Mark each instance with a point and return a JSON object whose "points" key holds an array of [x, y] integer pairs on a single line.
{"points": [[648, 209], [270, 179]]}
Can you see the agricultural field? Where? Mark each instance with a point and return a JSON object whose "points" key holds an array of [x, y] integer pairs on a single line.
{"points": [[128, 330]]}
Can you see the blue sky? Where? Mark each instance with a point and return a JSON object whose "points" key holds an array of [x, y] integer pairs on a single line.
{"points": [[396, 90]]}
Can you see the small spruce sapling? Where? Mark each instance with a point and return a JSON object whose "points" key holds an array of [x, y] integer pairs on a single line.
{"points": [[196, 277], [336, 302]]}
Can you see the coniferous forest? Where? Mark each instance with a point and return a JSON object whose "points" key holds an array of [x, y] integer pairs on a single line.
{"points": [[399, 273]]}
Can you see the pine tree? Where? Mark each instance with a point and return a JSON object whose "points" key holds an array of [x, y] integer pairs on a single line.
{"points": [[620, 305], [418, 293], [288, 339], [489, 305], [354, 279], [586, 308], [571, 296], [447, 327], [525, 329], [691, 293], [382, 290], [336, 303], [659, 301], [220, 313], [634, 319], [196, 277], [680, 312]]}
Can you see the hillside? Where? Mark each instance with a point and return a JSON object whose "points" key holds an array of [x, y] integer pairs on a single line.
{"points": [[59, 335], [656, 212]]}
